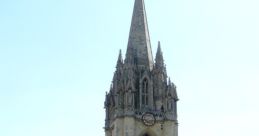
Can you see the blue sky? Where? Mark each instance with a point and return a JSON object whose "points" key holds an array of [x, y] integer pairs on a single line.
{"points": [[57, 58]]}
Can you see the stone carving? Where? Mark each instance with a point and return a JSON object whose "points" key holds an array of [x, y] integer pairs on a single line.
{"points": [[138, 89], [130, 98]]}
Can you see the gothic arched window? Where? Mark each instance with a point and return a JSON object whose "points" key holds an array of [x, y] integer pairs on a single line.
{"points": [[145, 92]]}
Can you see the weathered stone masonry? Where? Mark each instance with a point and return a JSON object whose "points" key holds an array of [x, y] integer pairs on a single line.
{"points": [[142, 101]]}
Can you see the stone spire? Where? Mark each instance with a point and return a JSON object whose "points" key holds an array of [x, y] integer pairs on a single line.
{"points": [[139, 48]]}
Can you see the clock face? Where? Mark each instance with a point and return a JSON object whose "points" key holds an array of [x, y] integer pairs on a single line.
{"points": [[148, 119]]}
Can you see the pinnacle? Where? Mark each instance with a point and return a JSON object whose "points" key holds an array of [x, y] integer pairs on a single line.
{"points": [[159, 56], [159, 47], [120, 59]]}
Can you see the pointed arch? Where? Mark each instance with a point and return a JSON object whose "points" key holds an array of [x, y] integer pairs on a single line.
{"points": [[148, 132]]}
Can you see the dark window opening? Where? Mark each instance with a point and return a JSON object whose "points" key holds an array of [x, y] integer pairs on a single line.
{"points": [[145, 92]]}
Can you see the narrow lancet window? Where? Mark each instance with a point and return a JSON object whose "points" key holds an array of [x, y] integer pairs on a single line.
{"points": [[145, 92]]}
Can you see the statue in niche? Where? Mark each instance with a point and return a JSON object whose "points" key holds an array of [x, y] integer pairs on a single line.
{"points": [[129, 98], [169, 104], [116, 101], [121, 99]]}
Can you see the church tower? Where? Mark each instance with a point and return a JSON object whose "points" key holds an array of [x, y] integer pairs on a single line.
{"points": [[142, 99]]}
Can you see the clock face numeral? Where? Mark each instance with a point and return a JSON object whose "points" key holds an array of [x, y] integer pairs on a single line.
{"points": [[148, 119]]}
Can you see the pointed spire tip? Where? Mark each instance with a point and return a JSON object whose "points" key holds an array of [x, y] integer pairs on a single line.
{"points": [[139, 47]]}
